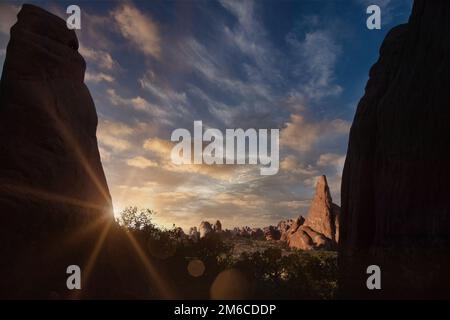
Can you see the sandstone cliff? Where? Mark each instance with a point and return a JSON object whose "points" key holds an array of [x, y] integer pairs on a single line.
{"points": [[318, 230], [53, 191], [395, 199]]}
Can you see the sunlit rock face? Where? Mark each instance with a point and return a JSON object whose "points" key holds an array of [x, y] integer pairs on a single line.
{"points": [[395, 195], [53, 191], [323, 212], [318, 230]]}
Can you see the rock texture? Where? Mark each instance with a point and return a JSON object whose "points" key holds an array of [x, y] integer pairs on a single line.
{"points": [[395, 198], [318, 230], [53, 191], [323, 213]]}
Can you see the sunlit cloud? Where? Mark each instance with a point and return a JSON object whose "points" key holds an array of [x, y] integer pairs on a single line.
{"points": [[138, 28], [98, 77], [100, 58], [114, 135], [141, 162]]}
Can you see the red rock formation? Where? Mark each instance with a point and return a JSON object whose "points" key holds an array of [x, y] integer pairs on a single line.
{"points": [[53, 192], [318, 230], [395, 198], [321, 216]]}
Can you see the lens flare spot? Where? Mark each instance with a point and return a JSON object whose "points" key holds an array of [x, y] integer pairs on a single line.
{"points": [[230, 285], [196, 268]]}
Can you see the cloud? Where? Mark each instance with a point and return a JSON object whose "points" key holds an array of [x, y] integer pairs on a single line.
{"points": [[299, 134], [98, 77], [141, 162], [137, 103], [139, 29], [250, 37], [291, 165], [163, 148], [113, 135], [100, 58], [317, 55], [333, 159], [174, 103], [159, 146], [8, 16], [229, 75], [302, 135]]}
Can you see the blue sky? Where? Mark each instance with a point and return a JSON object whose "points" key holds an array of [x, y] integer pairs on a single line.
{"points": [[154, 66]]}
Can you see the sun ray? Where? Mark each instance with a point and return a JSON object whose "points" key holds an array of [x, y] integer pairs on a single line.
{"points": [[155, 276], [26, 191], [71, 141], [89, 266]]}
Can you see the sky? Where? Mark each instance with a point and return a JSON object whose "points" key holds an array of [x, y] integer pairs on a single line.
{"points": [[156, 66]]}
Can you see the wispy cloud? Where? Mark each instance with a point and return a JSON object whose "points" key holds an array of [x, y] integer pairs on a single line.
{"points": [[138, 28], [100, 58], [114, 135], [137, 103], [98, 77], [141, 162], [301, 134], [231, 65], [317, 54]]}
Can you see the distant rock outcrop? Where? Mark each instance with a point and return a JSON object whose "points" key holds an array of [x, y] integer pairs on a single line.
{"points": [[218, 226], [271, 233], [205, 229], [194, 234], [323, 213], [318, 230], [257, 234], [395, 194], [53, 192]]}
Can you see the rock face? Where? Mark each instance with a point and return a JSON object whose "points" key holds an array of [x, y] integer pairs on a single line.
{"points": [[323, 212], [52, 185], [395, 198], [318, 230]]}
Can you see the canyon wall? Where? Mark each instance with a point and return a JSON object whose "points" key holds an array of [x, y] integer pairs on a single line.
{"points": [[395, 195], [54, 199]]}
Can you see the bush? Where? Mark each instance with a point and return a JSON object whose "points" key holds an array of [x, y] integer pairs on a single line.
{"points": [[273, 273]]}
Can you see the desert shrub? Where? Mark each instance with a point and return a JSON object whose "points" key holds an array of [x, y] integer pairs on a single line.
{"points": [[298, 275], [273, 272]]}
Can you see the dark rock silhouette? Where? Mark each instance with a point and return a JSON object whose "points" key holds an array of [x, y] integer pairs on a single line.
{"points": [[54, 199], [395, 195]]}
